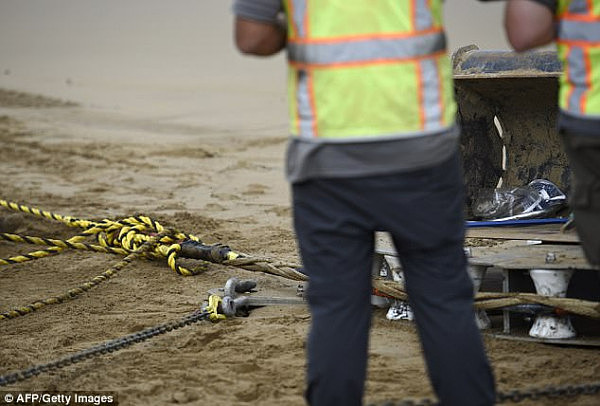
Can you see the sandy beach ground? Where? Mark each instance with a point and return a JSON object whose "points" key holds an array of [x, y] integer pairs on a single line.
{"points": [[117, 108]]}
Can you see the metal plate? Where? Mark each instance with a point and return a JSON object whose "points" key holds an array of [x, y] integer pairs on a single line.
{"points": [[531, 257], [546, 233]]}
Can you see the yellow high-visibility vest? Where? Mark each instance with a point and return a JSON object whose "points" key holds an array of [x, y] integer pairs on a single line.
{"points": [[362, 70], [578, 47]]}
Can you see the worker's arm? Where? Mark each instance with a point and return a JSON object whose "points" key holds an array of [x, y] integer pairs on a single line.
{"points": [[529, 23], [258, 30]]}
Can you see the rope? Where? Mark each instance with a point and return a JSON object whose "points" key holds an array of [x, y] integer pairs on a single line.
{"points": [[134, 237], [70, 221], [288, 271], [140, 236], [497, 300], [117, 237], [55, 243], [125, 236], [493, 300], [73, 293]]}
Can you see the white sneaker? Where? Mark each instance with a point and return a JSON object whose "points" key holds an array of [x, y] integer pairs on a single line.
{"points": [[399, 310]]}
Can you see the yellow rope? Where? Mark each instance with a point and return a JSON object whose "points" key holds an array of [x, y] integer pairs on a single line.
{"points": [[53, 243], [127, 237], [73, 293], [70, 221], [213, 308], [119, 237], [138, 236]]}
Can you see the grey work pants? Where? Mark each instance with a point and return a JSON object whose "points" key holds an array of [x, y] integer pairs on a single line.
{"points": [[335, 220]]}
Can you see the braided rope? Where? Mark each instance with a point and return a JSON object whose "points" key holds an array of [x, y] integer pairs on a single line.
{"points": [[58, 243], [74, 292], [118, 237], [499, 300], [289, 271], [70, 221], [135, 237], [127, 235]]}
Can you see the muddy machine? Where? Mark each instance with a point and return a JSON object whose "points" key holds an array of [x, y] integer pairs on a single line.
{"points": [[507, 107]]}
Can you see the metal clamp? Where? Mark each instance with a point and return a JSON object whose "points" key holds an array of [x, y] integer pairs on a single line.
{"points": [[236, 299]]}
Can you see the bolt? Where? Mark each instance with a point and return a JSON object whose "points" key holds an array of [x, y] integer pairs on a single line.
{"points": [[550, 257]]}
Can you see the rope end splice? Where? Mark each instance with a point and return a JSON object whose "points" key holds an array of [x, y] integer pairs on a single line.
{"points": [[216, 253]]}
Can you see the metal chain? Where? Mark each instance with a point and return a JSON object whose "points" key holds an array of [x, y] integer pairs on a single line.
{"points": [[104, 348], [515, 396], [406, 402]]}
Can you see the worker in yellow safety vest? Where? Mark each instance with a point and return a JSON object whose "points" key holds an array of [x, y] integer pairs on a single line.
{"points": [[575, 27], [374, 146]]}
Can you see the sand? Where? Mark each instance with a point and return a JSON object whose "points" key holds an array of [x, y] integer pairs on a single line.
{"points": [[124, 117]]}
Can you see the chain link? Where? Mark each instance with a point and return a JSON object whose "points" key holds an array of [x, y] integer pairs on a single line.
{"points": [[570, 391], [407, 402], [515, 396], [104, 348]]}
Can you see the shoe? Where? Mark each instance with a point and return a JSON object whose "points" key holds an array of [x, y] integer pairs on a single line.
{"points": [[551, 195], [399, 310]]}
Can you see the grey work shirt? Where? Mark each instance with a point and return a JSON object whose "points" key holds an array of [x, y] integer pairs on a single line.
{"points": [[309, 159]]}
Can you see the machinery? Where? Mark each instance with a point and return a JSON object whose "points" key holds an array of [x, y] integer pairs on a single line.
{"points": [[507, 106]]}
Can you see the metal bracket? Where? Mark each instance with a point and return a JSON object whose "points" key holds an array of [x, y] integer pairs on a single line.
{"points": [[237, 298]]}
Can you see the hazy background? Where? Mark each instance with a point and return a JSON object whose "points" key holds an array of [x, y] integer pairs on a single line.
{"points": [[167, 58]]}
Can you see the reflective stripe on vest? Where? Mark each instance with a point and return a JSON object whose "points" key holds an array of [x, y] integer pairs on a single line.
{"points": [[579, 49], [360, 51], [367, 70]]}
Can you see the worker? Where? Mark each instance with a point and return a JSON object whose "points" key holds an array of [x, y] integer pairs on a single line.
{"points": [[374, 147], [533, 23]]}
